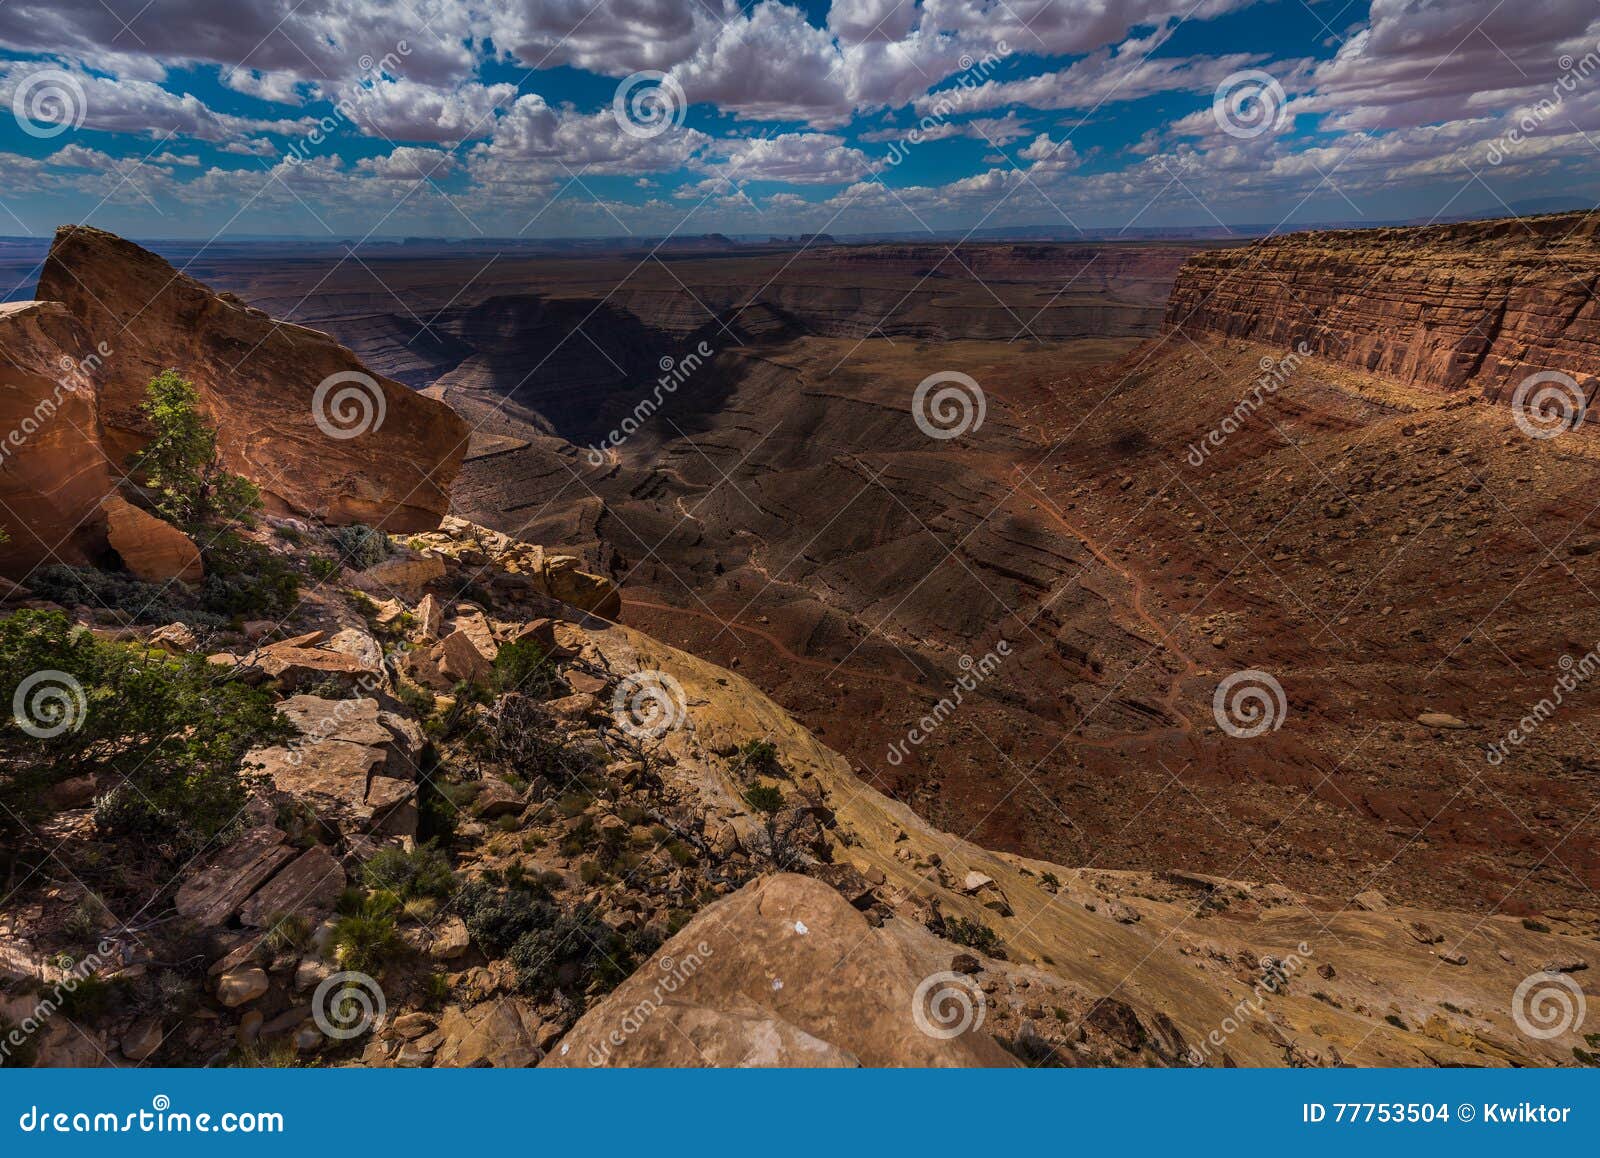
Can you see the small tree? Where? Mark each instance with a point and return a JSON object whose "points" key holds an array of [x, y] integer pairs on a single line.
{"points": [[180, 468]]}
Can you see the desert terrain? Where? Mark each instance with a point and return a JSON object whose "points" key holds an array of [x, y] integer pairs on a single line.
{"points": [[1386, 545]]}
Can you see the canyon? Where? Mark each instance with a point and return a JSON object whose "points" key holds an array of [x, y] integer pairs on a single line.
{"points": [[1384, 546], [990, 659]]}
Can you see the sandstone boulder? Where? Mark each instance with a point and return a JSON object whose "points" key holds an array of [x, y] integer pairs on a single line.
{"points": [[153, 550], [54, 474], [300, 416], [782, 973]]}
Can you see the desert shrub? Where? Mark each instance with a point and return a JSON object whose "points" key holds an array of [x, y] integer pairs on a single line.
{"points": [[975, 935], [142, 602], [497, 918], [164, 728], [321, 568], [759, 758], [288, 931], [576, 952], [523, 666], [422, 872], [93, 998], [244, 578], [361, 546], [435, 991], [764, 798], [368, 938], [180, 470]]}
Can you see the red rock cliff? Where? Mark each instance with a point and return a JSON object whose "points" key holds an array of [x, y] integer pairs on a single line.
{"points": [[1481, 304]]}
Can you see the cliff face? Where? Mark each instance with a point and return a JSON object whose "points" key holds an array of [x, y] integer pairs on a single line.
{"points": [[1481, 304], [362, 448], [51, 471]]}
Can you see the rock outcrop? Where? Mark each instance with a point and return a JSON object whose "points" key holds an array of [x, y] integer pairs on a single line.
{"points": [[52, 474], [151, 549], [1482, 304], [758, 980], [296, 413]]}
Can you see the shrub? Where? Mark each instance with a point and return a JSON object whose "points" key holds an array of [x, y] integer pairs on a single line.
{"points": [[164, 728], [522, 666], [368, 938], [764, 798], [361, 546], [577, 951], [244, 578], [759, 758], [179, 468], [321, 568], [496, 919], [142, 602], [975, 935], [422, 872]]}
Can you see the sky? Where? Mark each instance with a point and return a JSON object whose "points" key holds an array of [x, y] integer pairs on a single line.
{"points": [[520, 118]]}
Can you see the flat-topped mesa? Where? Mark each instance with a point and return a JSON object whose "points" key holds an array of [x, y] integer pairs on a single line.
{"points": [[1480, 304], [296, 413]]}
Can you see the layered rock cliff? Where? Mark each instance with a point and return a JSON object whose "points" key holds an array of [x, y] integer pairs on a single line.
{"points": [[296, 413], [1481, 304]]}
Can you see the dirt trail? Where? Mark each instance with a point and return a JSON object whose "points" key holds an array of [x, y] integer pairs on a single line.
{"points": [[1135, 602]]}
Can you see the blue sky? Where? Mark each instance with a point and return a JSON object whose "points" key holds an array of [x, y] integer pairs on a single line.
{"points": [[330, 118]]}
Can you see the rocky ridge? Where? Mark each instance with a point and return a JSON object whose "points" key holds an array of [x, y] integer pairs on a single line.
{"points": [[296, 413]]}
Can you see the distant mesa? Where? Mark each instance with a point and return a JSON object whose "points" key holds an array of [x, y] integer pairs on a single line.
{"points": [[1481, 304]]}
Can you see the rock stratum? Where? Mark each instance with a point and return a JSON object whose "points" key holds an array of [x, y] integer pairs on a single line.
{"points": [[1482, 304], [297, 413]]}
